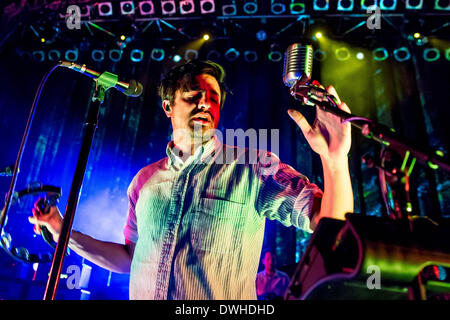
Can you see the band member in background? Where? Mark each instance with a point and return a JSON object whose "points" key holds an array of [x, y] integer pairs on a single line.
{"points": [[271, 283]]}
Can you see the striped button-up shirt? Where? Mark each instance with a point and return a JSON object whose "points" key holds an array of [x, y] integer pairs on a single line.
{"points": [[198, 225]]}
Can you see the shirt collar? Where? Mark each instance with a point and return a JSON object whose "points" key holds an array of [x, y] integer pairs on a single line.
{"points": [[204, 154]]}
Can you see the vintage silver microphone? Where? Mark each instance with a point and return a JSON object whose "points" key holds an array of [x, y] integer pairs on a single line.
{"points": [[297, 71]]}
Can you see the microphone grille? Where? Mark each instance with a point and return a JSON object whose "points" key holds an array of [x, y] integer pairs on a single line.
{"points": [[297, 62]]}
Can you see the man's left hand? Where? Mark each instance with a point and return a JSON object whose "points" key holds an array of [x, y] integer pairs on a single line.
{"points": [[328, 137]]}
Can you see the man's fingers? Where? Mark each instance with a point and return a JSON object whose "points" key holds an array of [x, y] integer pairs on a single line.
{"points": [[37, 229], [345, 107], [300, 120], [331, 90]]}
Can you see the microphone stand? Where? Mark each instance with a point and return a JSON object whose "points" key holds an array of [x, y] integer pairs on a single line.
{"points": [[105, 81], [303, 91]]}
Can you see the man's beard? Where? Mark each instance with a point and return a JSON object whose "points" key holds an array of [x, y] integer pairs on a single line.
{"points": [[202, 134]]}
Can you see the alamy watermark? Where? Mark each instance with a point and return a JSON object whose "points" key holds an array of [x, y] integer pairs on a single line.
{"points": [[374, 280], [73, 17], [374, 20]]}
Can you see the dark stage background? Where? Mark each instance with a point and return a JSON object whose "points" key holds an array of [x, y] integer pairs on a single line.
{"points": [[410, 96]]}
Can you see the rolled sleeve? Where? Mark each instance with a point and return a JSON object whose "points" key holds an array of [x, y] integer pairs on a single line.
{"points": [[284, 194], [130, 230]]}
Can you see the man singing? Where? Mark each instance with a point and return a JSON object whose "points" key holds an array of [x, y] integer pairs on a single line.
{"points": [[195, 221]]}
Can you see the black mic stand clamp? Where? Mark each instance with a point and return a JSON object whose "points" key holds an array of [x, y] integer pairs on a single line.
{"points": [[105, 81], [311, 94]]}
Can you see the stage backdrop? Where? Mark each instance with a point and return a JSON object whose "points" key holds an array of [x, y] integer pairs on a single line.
{"points": [[410, 96]]}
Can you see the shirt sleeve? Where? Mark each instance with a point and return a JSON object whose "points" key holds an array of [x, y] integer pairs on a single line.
{"points": [[130, 231], [284, 194]]}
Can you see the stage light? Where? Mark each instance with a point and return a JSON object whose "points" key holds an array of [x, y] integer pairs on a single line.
{"points": [[345, 5], [190, 54], [207, 6], [168, 7], [320, 55], [402, 54], [414, 4], [176, 58], [250, 56], [146, 8], [43, 40], [380, 54], [388, 4], [368, 4], [54, 55], [232, 54], [187, 7], [115, 55], [360, 56], [122, 37], [105, 9], [136, 55], [85, 11], [126, 7], [318, 35], [447, 54], [297, 7], [250, 7], [321, 5], [442, 5], [261, 35], [97, 55], [277, 7], [275, 56], [25, 55], [431, 54], [71, 55], [38, 55], [157, 54], [206, 37], [213, 55], [342, 54], [421, 40], [229, 9]]}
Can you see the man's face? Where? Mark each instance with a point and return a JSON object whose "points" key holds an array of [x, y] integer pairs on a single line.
{"points": [[196, 111], [268, 261]]}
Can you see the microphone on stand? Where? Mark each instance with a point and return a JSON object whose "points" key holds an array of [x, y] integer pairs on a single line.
{"points": [[297, 70], [298, 62], [132, 89]]}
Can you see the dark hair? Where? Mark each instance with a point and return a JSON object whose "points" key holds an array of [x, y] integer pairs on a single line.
{"points": [[182, 77]]}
